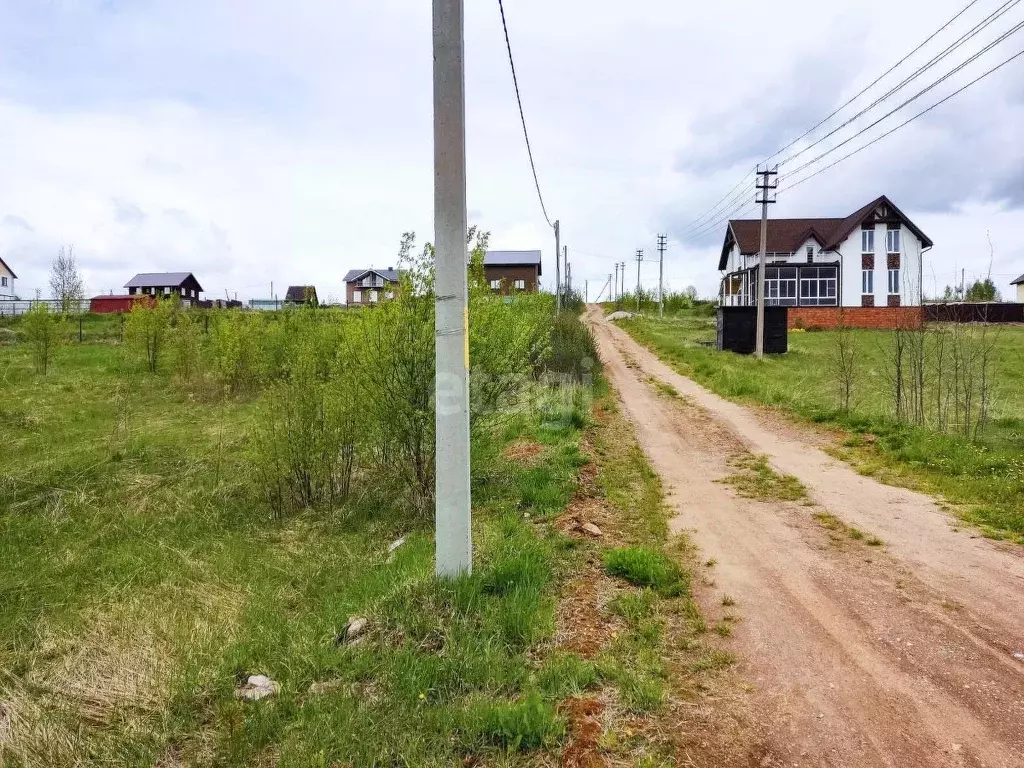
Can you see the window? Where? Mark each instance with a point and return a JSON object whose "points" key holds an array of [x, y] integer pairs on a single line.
{"points": [[520, 285], [867, 281], [894, 282], [373, 297], [892, 241], [357, 297], [818, 286], [495, 285], [390, 294], [810, 254], [3, 281], [867, 241], [780, 286]]}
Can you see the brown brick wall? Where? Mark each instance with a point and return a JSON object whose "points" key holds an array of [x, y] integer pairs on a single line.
{"points": [[508, 276], [856, 317]]}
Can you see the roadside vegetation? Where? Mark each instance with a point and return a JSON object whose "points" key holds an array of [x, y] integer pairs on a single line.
{"points": [[941, 412], [189, 501]]}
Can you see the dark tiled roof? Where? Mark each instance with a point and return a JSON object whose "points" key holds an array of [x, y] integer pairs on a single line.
{"points": [[1018, 281], [297, 293], [786, 235], [159, 280], [4, 265], [388, 274], [513, 259]]}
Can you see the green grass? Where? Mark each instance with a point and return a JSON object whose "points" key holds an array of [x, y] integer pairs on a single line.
{"points": [[755, 479], [986, 477], [145, 580], [647, 567]]}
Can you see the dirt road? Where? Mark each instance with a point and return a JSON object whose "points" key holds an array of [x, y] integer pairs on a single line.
{"points": [[900, 655]]}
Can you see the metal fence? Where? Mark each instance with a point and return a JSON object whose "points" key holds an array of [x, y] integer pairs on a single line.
{"points": [[974, 312], [11, 307]]}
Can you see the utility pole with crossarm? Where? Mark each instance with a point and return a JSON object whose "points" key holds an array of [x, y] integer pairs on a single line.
{"points": [[766, 185]]}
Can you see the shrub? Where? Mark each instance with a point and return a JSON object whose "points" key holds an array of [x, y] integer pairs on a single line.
{"points": [[42, 332], [647, 568], [147, 327], [186, 340], [573, 348]]}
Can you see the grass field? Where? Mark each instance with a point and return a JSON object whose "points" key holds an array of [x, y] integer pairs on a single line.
{"points": [[984, 477], [146, 579]]}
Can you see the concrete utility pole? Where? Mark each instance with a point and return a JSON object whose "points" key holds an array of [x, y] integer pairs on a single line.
{"points": [[615, 286], [453, 537], [558, 269], [586, 291], [662, 244], [766, 185], [622, 281], [639, 258], [568, 270]]}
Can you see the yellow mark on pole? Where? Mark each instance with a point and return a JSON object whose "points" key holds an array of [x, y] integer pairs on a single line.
{"points": [[465, 332]]}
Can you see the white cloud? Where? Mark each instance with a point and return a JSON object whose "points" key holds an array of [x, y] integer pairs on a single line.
{"points": [[288, 142]]}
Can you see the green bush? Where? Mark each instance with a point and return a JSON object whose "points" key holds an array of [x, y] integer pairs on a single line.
{"points": [[573, 348], [647, 568], [41, 330], [147, 328]]}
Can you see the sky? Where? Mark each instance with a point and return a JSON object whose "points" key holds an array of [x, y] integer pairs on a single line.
{"points": [[260, 143]]}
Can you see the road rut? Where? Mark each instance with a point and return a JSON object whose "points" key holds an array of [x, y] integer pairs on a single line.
{"points": [[900, 655]]}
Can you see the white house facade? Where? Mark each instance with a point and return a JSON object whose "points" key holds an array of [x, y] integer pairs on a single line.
{"points": [[871, 258], [1019, 284], [7, 278]]}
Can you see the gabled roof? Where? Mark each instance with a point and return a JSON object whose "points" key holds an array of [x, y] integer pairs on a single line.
{"points": [[4, 265], [388, 274], [297, 293], [161, 280], [787, 235], [1018, 281], [513, 259]]}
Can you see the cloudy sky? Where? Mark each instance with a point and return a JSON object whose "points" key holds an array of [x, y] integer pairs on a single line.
{"points": [[254, 142]]}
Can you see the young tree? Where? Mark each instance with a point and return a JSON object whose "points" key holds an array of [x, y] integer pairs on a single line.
{"points": [[983, 290], [42, 332], [66, 284], [147, 328]]}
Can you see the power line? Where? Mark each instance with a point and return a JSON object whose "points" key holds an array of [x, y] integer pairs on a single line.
{"points": [[872, 84], [917, 73], [904, 123], [918, 95], [522, 117], [702, 217]]}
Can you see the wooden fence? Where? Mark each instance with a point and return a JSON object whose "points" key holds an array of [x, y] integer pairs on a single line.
{"points": [[974, 312]]}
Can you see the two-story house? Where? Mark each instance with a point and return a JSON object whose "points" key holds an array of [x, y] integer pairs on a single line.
{"points": [[368, 286], [1019, 282], [868, 265], [510, 271], [7, 278], [184, 284]]}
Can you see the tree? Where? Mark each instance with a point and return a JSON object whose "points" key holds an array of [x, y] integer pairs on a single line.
{"points": [[983, 290], [42, 332], [66, 284]]}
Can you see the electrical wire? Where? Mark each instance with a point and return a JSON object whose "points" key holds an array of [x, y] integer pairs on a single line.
{"points": [[522, 116], [917, 73], [901, 125], [709, 212], [872, 84]]}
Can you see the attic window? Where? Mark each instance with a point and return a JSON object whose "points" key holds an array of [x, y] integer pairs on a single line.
{"points": [[810, 254]]}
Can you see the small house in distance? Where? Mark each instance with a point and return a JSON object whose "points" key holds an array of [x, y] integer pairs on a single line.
{"points": [[184, 284], [369, 286], [1019, 282], [301, 294], [7, 278], [509, 271]]}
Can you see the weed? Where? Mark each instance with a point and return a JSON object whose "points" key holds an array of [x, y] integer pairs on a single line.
{"points": [[635, 606], [521, 725], [728, 601], [755, 479], [647, 567]]}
